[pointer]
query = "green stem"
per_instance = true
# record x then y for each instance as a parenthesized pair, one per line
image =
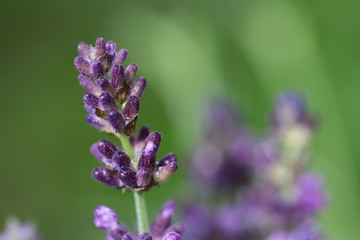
(140, 204)
(141, 213)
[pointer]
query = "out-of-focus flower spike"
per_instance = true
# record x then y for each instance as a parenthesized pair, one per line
(82, 65)
(117, 76)
(111, 48)
(100, 47)
(163, 220)
(130, 73)
(107, 148)
(106, 177)
(120, 57)
(97, 68)
(91, 100)
(105, 218)
(105, 86)
(127, 176)
(121, 158)
(138, 88)
(116, 120)
(164, 173)
(107, 102)
(171, 236)
(145, 236)
(131, 108)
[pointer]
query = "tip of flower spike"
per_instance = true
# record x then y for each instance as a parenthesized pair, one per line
(105, 218)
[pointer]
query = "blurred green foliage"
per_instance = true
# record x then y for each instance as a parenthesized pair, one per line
(247, 50)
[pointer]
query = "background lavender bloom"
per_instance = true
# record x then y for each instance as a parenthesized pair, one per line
(280, 193)
(14, 230)
(161, 229)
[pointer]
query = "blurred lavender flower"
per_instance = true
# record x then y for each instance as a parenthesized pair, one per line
(140, 173)
(112, 100)
(15, 230)
(161, 229)
(273, 196)
(224, 158)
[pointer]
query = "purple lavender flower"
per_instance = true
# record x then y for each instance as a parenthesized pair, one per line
(106, 219)
(140, 173)
(113, 98)
(15, 230)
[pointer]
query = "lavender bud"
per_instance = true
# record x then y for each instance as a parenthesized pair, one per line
(107, 148)
(117, 76)
(111, 48)
(154, 137)
(91, 100)
(168, 158)
(105, 86)
(97, 122)
(117, 232)
(120, 57)
(127, 176)
(83, 49)
(130, 73)
(100, 47)
(96, 152)
(138, 88)
(146, 164)
(145, 236)
(107, 102)
(163, 220)
(87, 84)
(121, 158)
(82, 65)
(97, 68)
(116, 120)
(105, 218)
(131, 109)
(106, 177)
(171, 236)
(164, 173)
(127, 236)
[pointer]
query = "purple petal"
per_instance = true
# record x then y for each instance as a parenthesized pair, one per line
(116, 120)
(120, 57)
(127, 176)
(117, 76)
(105, 218)
(106, 177)
(139, 87)
(131, 108)
(130, 73)
(100, 47)
(97, 68)
(82, 65)
(107, 102)
(172, 236)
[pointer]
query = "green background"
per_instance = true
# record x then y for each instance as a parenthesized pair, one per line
(248, 50)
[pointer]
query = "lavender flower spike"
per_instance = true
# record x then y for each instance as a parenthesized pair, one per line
(102, 74)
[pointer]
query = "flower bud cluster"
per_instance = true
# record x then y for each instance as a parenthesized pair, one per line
(112, 100)
(161, 229)
(140, 173)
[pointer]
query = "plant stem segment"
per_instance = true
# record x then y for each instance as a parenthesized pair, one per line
(140, 204)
